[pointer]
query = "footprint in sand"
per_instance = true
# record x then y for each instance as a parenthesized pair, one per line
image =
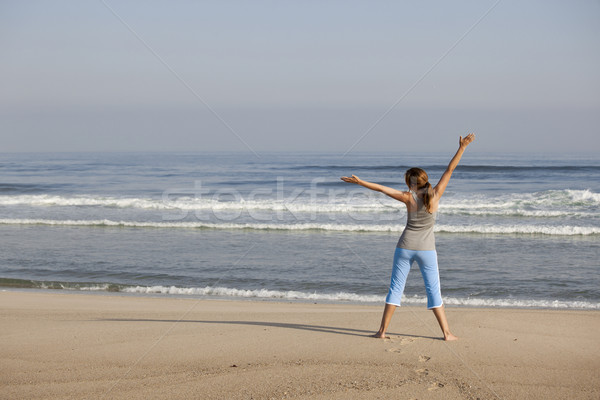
(402, 341)
(422, 371)
(435, 386)
(424, 358)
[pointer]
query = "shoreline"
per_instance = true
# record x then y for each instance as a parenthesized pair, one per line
(324, 298)
(56, 345)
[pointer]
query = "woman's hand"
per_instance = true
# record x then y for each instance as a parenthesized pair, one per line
(353, 179)
(388, 191)
(465, 142)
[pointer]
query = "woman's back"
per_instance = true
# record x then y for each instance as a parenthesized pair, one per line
(418, 233)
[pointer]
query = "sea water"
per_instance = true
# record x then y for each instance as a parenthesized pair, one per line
(519, 230)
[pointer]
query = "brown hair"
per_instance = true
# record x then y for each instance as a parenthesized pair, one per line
(418, 177)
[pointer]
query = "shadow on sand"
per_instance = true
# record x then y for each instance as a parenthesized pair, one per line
(313, 328)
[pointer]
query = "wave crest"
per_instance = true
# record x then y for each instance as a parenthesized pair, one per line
(551, 203)
(291, 295)
(481, 229)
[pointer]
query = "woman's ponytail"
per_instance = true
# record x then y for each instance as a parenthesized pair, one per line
(427, 196)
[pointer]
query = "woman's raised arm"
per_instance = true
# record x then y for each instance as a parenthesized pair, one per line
(393, 193)
(462, 145)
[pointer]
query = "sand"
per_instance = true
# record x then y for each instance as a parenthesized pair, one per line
(57, 345)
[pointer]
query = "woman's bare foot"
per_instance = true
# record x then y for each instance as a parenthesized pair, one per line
(388, 311)
(440, 315)
(380, 335)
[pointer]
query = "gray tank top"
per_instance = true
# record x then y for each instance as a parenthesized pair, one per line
(418, 233)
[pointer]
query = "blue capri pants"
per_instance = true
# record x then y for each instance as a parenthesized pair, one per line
(427, 260)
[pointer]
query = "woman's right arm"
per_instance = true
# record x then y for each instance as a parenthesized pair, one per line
(393, 193)
(463, 143)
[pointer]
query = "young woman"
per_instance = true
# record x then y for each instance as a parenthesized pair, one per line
(417, 242)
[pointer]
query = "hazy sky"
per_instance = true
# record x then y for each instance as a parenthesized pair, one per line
(306, 75)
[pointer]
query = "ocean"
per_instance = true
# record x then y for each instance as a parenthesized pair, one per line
(513, 230)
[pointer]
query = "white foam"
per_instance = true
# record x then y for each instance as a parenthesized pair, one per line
(565, 230)
(513, 212)
(551, 203)
(353, 297)
(191, 203)
(257, 293)
(586, 196)
(93, 288)
(523, 303)
(62, 201)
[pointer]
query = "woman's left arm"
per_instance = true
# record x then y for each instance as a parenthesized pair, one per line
(462, 146)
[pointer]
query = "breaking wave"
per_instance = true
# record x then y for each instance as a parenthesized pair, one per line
(292, 295)
(546, 204)
(481, 229)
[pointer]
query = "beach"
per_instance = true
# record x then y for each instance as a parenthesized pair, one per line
(222, 276)
(57, 345)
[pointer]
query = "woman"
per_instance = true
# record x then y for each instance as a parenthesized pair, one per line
(417, 242)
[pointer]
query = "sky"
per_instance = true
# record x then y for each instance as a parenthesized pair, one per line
(336, 76)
